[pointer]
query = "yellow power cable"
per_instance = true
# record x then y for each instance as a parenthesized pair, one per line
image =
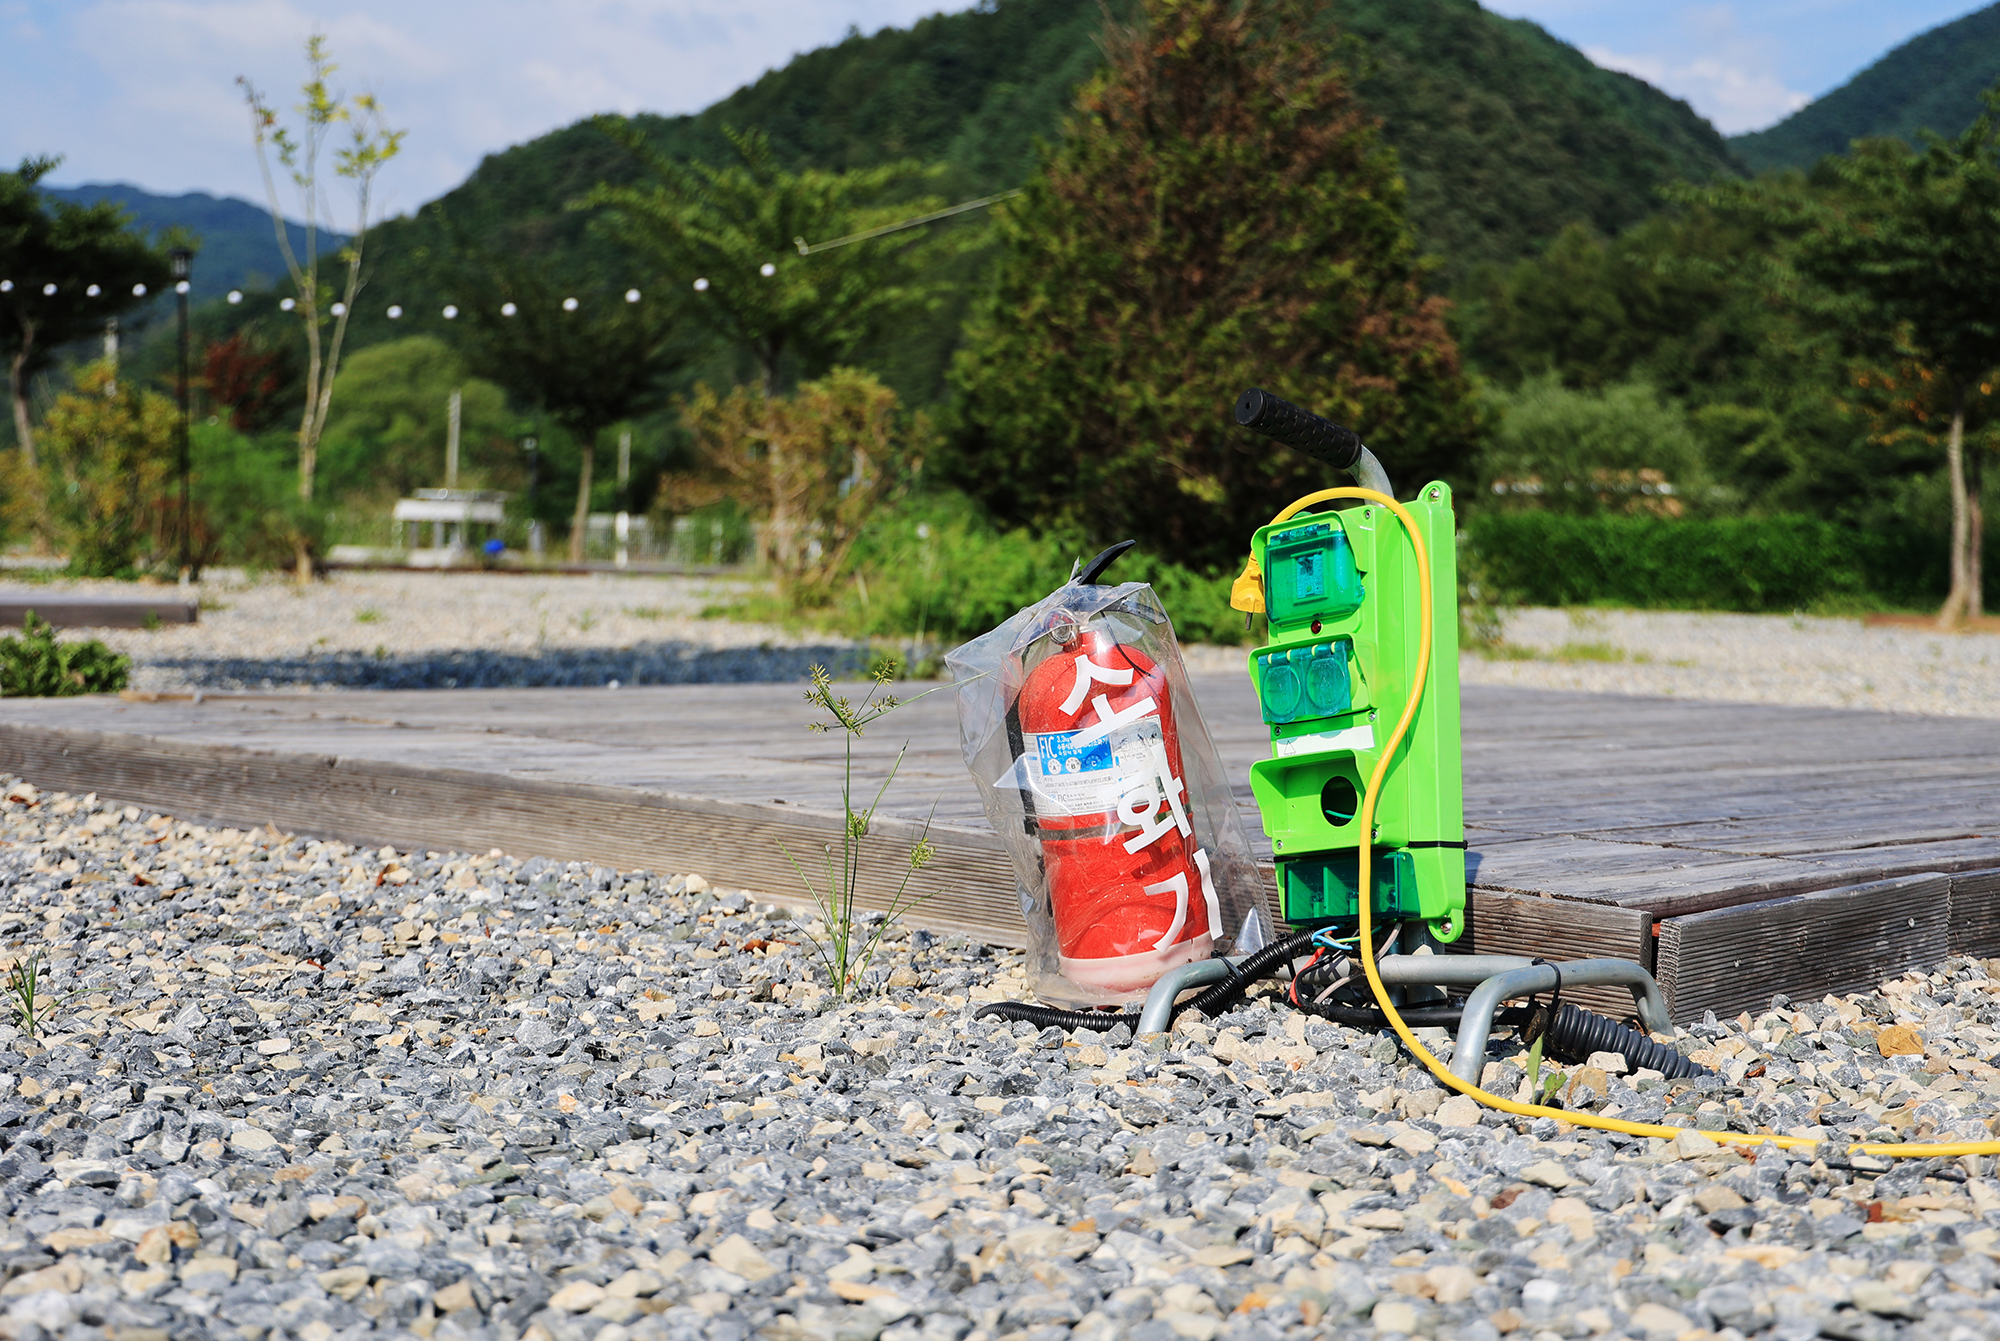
(1949, 1150)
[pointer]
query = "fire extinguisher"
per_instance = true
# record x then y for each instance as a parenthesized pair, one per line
(1129, 885)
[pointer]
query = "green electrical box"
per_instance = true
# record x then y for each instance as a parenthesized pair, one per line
(1340, 590)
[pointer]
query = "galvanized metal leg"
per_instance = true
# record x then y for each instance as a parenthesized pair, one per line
(1468, 1057)
(1158, 1012)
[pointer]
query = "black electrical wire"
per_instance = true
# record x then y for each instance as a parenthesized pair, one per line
(1212, 1000)
(1571, 1036)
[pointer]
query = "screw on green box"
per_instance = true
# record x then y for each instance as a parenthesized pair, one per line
(1342, 598)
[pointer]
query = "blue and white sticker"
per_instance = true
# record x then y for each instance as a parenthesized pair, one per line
(1085, 772)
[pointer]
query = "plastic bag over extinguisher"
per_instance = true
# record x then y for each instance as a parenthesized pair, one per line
(1080, 730)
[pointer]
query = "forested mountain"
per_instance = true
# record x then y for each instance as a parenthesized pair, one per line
(1506, 135)
(1932, 81)
(239, 249)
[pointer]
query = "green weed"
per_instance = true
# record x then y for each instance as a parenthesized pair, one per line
(850, 944)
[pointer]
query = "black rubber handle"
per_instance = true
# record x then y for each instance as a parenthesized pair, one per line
(1088, 575)
(1301, 430)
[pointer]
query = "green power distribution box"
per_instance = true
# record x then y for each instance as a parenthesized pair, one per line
(1341, 594)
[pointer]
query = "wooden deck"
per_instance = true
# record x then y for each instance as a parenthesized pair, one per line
(1597, 824)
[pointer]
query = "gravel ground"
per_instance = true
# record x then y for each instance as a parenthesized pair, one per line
(1831, 663)
(308, 1091)
(395, 630)
(374, 630)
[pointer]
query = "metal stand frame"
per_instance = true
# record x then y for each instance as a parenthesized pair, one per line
(1492, 978)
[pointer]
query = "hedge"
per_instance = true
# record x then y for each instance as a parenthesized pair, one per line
(1735, 563)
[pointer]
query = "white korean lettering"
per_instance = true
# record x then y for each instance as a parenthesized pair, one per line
(1087, 672)
(1141, 806)
(1178, 887)
(1175, 791)
(1208, 892)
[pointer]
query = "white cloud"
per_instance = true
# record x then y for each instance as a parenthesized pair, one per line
(1734, 97)
(144, 91)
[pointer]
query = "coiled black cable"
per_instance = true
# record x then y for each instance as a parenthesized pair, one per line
(1574, 1034)
(1211, 1000)
(1571, 1037)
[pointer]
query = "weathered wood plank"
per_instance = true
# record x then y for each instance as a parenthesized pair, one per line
(1975, 913)
(95, 612)
(1559, 929)
(369, 801)
(1835, 940)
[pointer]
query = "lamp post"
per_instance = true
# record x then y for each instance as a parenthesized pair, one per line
(183, 264)
(533, 449)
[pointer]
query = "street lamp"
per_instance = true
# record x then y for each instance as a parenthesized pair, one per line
(182, 260)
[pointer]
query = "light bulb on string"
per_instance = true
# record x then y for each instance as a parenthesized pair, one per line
(182, 287)
(508, 309)
(701, 286)
(339, 309)
(569, 304)
(235, 297)
(48, 290)
(92, 291)
(287, 304)
(6, 286)
(631, 295)
(395, 311)
(138, 290)
(450, 311)
(767, 270)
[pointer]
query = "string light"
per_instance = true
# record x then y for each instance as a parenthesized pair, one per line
(569, 304)
(767, 270)
(631, 295)
(48, 290)
(450, 311)
(6, 286)
(92, 291)
(394, 311)
(508, 309)
(235, 297)
(287, 304)
(339, 309)
(701, 286)
(183, 287)
(138, 290)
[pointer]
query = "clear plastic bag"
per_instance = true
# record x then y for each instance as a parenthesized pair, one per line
(1094, 766)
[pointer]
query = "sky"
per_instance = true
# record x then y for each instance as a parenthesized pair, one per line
(1744, 66)
(144, 91)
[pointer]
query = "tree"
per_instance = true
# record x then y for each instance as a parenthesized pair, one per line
(734, 233)
(110, 471)
(1905, 241)
(65, 270)
(371, 144)
(821, 463)
(1219, 214)
(586, 357)
(388, 432)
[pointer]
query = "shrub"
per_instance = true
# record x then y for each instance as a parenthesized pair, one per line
(819, 463)
(110, 459)
(1736, 563)
(940, 572)
(35, 665)
(246, 498)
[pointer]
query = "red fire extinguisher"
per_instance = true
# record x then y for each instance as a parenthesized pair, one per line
(1129, 884)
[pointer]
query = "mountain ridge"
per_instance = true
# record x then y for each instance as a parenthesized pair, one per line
(1930, 82)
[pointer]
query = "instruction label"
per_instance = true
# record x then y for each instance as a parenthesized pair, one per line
(1085, 772)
